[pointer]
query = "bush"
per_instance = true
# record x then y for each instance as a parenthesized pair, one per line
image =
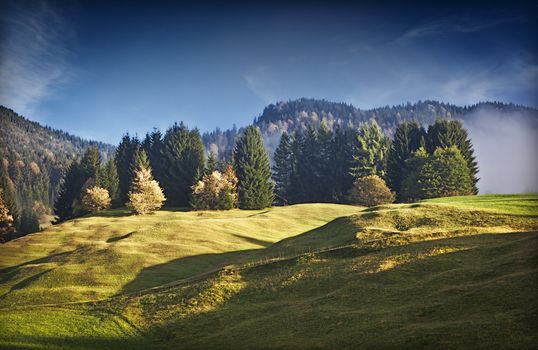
(95, 199)
(145, 196)
(216, 191)
(369, 191)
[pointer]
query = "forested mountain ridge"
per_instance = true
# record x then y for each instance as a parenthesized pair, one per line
(295, 115)
(33, 160)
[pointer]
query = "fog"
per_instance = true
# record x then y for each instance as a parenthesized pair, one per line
(506, 147)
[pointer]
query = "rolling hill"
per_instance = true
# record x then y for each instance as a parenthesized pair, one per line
(450, 273)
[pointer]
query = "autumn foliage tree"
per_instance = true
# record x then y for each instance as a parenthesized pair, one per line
(146, 196)
(216, 191)
(6, 219)
(96, 199)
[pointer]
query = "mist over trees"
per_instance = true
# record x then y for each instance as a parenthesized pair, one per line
(41, 167)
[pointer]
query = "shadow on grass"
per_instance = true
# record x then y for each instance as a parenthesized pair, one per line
(264, 309)
(119, 238)
(338, 232)
(28, 342)
(8, 273)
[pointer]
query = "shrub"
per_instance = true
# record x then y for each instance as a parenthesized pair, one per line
(369, 191)
(95, 199)
(216, 191)
(146, 196)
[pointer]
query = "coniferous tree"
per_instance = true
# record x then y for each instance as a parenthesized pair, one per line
(183, 163)
(344, 144)
(283, 168)
(371, 152)
(69, 193)
(108, 179)
(124, 156)
(211, 165)
(407, 140)
(10, 197)
(90, 164)
(447, 133)
(6, 220)
(296, 191)
(140, 160)
(29, 222)
(325, 162)
(309, 168)
(153, 145)
(446, 173)
(410, 187)
(253, 171)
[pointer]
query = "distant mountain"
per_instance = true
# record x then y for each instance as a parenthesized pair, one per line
(295, 115)
(35, 157)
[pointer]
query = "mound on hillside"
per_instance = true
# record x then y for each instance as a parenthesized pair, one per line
(435, 274)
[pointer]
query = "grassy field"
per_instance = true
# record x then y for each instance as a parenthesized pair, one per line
(449, 273)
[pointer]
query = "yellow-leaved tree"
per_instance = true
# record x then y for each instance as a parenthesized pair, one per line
(146, 196)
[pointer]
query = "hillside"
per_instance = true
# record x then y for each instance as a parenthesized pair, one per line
(35, 157)
(295, 115)
(449, 273)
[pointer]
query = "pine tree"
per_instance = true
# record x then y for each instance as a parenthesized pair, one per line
(309, 167)
(211, 165)
(153, 145)
(108, 179)
(447, 133)
(296, 191)
(410, 187)
(371, 152)
(407, 140)
(343, 148)
(140, 160)
(183, 162)
(283, 168)
(69, 193)
(446, 173)
(124, 156)
(253, 171)
(90, 164)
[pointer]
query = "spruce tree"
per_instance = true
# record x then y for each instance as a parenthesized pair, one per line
(446, 173)
(123, 158)
(309, 168)
(283, 168)
(69, 193)
(90, 164)
(407, 140)
(371, 153)
(296, 191)
(152, 144)
(183, 162)
(108, 179)
(211, 165)
(253, 171)
(447, 133)
(343, 148)
(410, 187)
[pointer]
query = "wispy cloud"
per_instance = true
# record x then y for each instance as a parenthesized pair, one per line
(33, 55)
(261, 84)
(452, 24)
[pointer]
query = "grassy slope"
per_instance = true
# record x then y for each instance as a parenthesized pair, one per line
(444, 272)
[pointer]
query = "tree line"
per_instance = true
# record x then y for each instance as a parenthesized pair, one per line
(347, 165)
(322, 166)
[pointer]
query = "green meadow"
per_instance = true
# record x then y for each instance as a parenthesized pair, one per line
(449, 273)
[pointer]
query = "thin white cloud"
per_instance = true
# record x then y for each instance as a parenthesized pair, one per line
(33, 55)
(259, 82)
(452, 24)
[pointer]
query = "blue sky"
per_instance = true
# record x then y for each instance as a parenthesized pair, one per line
(100, 68)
